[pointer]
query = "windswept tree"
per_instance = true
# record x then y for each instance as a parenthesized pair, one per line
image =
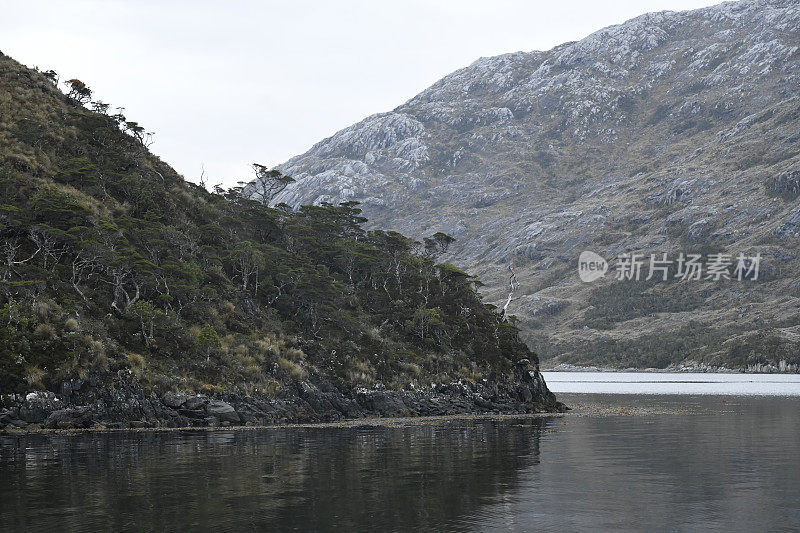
(119, 117)
(51, 75)
(268, 183)
(438, 243)
(100, 107)
(138, 132)
(78, 91)
(10, 257)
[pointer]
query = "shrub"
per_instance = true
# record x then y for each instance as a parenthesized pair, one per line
(45, 331)
(34, 376)
(136, 363)
(208, 340)
(293, 369)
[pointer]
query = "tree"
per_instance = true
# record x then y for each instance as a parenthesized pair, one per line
(208, 340)
(438, 243)
(145, 138)
(9, 250)
(145, 313)
(512, 286)
(51, 75)
(424, 321)
(100, 107)
(119, 117)
(78, 91)
(268, 183)
(48, 240)
(84, 265)
(247, 261)
(397, 249)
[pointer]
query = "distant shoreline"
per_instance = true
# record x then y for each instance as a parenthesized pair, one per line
(699, 369)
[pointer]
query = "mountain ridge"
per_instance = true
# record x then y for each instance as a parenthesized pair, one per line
(674, 131)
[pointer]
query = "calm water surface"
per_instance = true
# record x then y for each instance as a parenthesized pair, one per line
(674, 383)
(695, 462)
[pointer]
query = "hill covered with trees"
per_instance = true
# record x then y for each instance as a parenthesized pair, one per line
(119, 279)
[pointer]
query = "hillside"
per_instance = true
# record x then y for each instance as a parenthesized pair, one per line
(671, 133)
(129, 295)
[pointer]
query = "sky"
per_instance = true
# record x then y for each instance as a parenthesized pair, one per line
(227, 84)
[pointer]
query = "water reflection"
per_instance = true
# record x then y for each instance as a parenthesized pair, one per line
(726, 463)
(409, 478)
(730, 465)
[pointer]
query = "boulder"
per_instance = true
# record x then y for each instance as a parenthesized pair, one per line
(173, 399)
(222, 411)
(9, 420)
(194, 402)
(70, 418)
(383, 403)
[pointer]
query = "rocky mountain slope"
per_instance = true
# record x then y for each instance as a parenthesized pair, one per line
(671, 133)
(129, 296)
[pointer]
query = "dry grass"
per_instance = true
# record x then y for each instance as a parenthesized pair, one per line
(293, 369)
(45, 331)
(136, 363)
(33, 377)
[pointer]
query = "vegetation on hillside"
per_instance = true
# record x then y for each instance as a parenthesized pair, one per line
(109, 260)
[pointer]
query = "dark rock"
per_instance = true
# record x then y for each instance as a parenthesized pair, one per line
(37, 406)
(193, 413)
(223, 411)
(7, 420)
(482, 402)
(73, 417)
(194, 402)
(123, 403)
(382, 402)
(173, 399)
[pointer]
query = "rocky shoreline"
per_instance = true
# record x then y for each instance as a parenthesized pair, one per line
(124, 404)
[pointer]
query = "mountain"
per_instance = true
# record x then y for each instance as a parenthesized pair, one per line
(129, 296)
(671, 133)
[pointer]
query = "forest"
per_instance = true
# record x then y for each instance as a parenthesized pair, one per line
(111, 261)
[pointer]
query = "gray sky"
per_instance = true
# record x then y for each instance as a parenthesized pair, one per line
(226, 84)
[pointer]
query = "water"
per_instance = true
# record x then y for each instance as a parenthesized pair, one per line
(674, 383)
(681, 463)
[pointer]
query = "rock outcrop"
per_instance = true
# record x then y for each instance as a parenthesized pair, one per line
(124, 403)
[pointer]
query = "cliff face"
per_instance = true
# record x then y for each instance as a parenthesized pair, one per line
(670, 133)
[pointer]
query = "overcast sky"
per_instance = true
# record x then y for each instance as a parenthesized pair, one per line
(226, 84)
